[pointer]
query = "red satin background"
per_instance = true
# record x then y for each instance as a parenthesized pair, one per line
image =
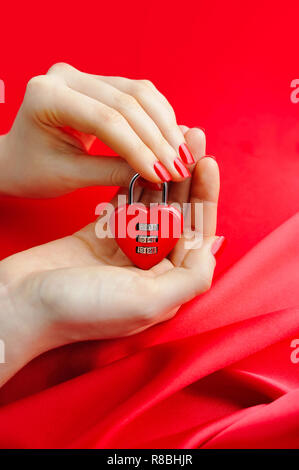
(219, 375)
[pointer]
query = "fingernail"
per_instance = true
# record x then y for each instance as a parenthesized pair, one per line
(209, 156)
(149, 185)
(180, 167)
(161, 171)
(218, 243)
(201, 128)
(186, 155)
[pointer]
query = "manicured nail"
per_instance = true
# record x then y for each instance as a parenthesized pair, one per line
(180, 167)
(218, 243)
(186, 155)
(161, 171)
(149, 185)
(209, 156)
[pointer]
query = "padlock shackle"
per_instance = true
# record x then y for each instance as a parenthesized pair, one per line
(131, 190)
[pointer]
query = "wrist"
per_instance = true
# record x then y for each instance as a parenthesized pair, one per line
(6, 170)
(11, 176)
(24, 332)
(3, 163)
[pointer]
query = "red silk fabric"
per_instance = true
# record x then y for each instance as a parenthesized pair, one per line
(220, 374)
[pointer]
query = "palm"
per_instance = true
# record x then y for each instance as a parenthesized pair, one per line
(84, 280)
(83, 249)
(107, 252)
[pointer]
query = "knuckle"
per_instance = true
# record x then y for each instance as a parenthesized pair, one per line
(111, 116)
(59, 68)
(167, 149)
(147, 84)
(141, 149)
(120, 174)
(143, 87)
(127, 101)
(115, 176)
(37, 84)
(37, 92)
(168, 118)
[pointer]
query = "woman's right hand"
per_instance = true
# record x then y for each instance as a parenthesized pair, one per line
(46, 152)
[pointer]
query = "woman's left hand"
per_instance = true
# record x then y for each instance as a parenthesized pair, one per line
(81, 287)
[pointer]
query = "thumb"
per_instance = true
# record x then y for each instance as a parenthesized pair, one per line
(183, 283)
(97, 170)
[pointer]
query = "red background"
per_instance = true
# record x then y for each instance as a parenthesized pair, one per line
(224, 66)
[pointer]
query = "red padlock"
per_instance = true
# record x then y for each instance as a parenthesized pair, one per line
(148, 237)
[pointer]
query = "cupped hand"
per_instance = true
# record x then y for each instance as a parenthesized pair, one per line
(82, 287)
(46, 152)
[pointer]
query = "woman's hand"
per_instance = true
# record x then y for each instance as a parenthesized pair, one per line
(81, 287)
(46, 152)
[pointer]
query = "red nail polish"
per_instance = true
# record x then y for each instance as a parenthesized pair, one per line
(186, 155)
(149, 185)
(161, 171)
(217, 245)
(209, 156)
(180, 167)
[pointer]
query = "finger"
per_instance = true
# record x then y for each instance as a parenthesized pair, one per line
(150, 195)
(180, 192)
(158, 108)
(131, 110)
(55, 104)
(204, 196)
(93, 170)
(196, 140)
(200, 218)
(87, 170)
(181, 284)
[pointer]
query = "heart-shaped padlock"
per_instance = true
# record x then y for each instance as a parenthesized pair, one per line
(148, 237)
